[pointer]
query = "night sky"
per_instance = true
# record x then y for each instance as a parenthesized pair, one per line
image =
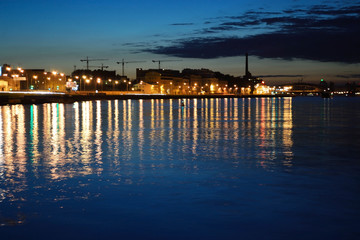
(286, 40)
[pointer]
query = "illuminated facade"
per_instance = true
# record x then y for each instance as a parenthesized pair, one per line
(189, 81)
(31, 79)
(4, 85)
(101, 80)
(164, 81)
(14, 78)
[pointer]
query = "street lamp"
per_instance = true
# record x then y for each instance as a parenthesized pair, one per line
(98, 81)
(83, 84)
(87, 81)
(111, 83)
(35, 77)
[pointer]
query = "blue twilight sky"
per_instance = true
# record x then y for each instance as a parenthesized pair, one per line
(286, 40)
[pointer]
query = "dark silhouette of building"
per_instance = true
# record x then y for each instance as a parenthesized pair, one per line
(248, 79)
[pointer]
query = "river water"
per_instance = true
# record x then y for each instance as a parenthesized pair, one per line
(259, 168)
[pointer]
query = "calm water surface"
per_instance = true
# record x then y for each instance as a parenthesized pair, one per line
(265, 168)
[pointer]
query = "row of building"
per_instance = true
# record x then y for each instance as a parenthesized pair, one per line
(193, 81)
(150, 81)
(156, 81)
(17, 79)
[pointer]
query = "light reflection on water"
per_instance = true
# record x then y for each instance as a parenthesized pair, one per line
(67, 140)
(65, 153)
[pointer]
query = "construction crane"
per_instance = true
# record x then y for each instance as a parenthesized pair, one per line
(123, 64)
(87, 60)
(160, 61)
(100, 67)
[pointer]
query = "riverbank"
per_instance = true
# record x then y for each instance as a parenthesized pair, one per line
(58, 97)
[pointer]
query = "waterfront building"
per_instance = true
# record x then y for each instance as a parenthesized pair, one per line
(14, 77)
(203, 81)
(99, 79)
(300, 88)
(146, 88)
(165, 81)
(36, 79)
(4, 85)
(54, 82)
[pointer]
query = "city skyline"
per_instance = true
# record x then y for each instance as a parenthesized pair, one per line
(286, 40)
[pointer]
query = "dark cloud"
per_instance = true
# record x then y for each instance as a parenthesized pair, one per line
(182, 24)
(326, 10)
(347, 76)
(321, 33)
(312, 45)
(245, 23)
(279, 76)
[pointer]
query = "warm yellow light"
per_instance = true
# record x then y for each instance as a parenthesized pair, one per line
(54, 73)
(8, 69)
(77, 77)
(87, 80)
(35, 76)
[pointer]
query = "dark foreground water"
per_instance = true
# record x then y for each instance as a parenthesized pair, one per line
(266, 168)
